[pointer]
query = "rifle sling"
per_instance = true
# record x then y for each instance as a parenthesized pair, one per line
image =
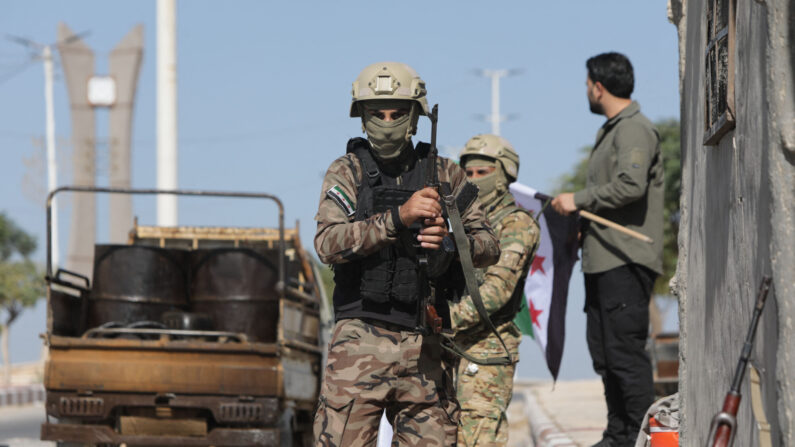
(462, 245)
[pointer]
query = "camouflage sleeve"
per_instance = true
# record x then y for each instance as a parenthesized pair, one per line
(483, 243)
(518, 241)
(338, 238)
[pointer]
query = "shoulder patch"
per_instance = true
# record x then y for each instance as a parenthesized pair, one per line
(336, 194)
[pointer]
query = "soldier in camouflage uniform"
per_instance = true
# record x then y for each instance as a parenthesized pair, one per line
(484, 392)
(375, 213)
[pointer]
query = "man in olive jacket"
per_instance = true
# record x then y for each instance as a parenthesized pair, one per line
(625, 185)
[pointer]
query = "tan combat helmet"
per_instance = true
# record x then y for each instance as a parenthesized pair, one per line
(493, 146)
(388, 80)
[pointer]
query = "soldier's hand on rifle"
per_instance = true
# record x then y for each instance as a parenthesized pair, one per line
(423, 204)
(432, 233)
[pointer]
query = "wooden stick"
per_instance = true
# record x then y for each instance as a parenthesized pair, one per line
(591, 216)
(615, 226)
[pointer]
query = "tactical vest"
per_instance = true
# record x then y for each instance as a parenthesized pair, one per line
(391, 274)
(509, 310)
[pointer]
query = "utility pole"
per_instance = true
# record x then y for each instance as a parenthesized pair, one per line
(496, 118)
(49, 116)
(166, 110)
(52, 168)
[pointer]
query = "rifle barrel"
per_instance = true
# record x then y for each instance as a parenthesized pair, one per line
(725, 423)
(434, 117)
(748, 346)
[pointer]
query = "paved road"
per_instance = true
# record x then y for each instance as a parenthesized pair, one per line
(519, 434)
(575, 409)
(20, 426)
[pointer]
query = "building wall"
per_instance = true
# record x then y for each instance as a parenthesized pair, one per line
(737, 223)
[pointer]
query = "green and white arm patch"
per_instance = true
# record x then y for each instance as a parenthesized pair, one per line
(336, 194)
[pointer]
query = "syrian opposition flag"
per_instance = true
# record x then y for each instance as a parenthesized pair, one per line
(543, 312)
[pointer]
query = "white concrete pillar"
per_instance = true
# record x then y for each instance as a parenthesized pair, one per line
(167, 110)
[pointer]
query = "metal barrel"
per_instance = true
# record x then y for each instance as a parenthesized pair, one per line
(136, 283)
(237, 287)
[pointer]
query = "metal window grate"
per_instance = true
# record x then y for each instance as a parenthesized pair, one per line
(719, 113)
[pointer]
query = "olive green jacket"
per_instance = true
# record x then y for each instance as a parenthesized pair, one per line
(625, 185)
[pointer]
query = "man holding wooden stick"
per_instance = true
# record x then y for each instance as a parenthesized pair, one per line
(624, 185)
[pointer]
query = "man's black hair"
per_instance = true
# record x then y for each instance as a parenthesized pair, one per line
(614, 71)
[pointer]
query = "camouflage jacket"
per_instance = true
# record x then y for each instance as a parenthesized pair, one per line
(339, 239)
(519, 236)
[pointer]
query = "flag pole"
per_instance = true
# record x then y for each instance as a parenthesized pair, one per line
(615, 226)
(601, 220)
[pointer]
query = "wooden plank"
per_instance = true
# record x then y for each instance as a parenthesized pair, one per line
(141, 425)
(162, 372)
(57, 341)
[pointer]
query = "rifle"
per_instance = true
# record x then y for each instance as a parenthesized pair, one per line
(428, 314)
(464, 256)
(427, 311)
(724, 424)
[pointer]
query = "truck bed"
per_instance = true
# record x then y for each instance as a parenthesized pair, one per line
(163, 366)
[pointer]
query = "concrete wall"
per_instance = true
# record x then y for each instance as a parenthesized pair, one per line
(737, 223)
(22, 395)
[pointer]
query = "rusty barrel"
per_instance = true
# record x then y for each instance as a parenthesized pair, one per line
(136, 283)
(237, 288)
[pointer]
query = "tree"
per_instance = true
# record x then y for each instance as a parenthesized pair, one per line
(670, 146)
(575, 181)
(21, 283)
(671, 153)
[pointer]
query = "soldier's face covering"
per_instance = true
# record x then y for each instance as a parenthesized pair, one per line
(388, 125)
(491, 186)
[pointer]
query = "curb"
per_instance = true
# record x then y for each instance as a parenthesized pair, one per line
(21, 395)
(545, 433)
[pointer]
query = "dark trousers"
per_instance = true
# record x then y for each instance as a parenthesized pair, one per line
(617, 308)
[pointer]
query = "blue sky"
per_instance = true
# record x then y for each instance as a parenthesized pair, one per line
(264, 91)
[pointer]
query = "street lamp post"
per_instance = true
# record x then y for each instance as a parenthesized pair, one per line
(495, 118)
(52, 167)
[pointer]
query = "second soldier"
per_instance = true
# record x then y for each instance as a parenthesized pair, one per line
(484, 391)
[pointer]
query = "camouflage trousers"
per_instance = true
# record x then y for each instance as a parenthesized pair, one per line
(371, 369)
(484, 392)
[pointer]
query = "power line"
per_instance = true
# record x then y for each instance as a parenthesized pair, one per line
(7, 76)
(37, 51)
